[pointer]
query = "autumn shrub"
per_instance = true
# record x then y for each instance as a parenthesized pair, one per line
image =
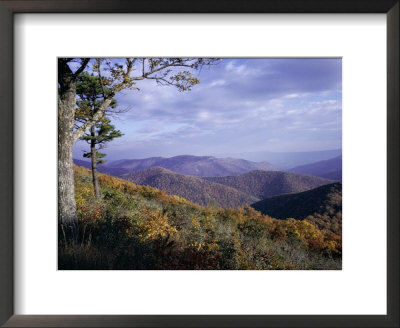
(139, 227)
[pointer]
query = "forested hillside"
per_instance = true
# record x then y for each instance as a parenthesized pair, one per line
(322, 206)
(262, 184)
(139, 227)
(195, 189)
(333, 175)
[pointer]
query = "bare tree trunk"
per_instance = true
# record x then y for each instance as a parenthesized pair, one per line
(93, 155)
(66, 189)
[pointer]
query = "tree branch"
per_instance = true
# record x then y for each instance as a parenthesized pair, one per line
(152, 71)
(127, 81)
(166, 66)
(82, 67)
(96, 117)
(158, 79)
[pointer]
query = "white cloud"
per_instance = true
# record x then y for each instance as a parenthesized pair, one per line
(292, 95)
(230, 66)
(217, 83)
(202, 116)
(296, 95)
(238, 69)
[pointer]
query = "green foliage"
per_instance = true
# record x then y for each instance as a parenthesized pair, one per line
(102, 132)
(90, 96)
(98, 155)
(139, 227)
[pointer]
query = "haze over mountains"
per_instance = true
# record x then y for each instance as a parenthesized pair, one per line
(213, 166)
(287, 160)
(330, 169)
(184, 164)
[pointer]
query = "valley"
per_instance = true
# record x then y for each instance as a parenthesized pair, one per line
(195, 189)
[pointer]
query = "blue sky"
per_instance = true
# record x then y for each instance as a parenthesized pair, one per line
(240, 106)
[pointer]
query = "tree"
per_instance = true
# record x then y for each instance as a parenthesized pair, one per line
(118, 75)
(90, 97)
(66, 118)
(100, 133)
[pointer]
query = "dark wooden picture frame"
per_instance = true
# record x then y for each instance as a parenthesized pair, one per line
(10, 7)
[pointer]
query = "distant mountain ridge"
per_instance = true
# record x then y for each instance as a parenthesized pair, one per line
(330, 168)
(183, 164)
(287, 160)
(263, 184)
(192, 188)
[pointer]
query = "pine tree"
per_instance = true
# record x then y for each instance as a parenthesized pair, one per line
(91, 97)
(100, 133)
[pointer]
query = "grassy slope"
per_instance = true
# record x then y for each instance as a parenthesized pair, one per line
(139, 227)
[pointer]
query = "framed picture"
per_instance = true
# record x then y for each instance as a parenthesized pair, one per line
(269, 80)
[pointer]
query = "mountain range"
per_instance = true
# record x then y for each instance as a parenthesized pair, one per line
(192, 188)
(225, 192)
(277, 194)
(184, 164)
(223, 182)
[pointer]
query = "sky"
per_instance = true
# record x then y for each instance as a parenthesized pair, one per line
(240, 106)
